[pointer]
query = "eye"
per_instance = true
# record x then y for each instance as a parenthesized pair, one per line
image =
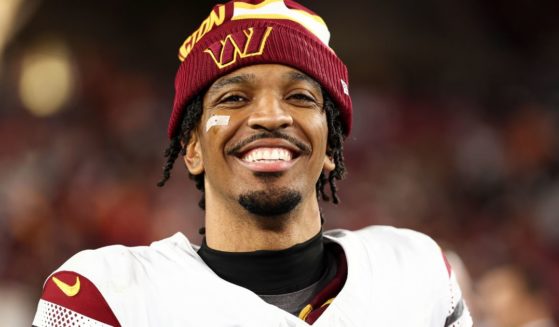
(235, 98)
(231, 100)
(302, 99)
(301, 96)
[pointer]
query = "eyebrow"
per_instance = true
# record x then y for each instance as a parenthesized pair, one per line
(298, 76)
(238, 79)
(247, 78)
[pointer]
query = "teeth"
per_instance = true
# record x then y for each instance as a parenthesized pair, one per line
(267, 154)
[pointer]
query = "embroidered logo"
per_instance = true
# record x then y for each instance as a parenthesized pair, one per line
(246, 43)
(67, 289)
(216, 18)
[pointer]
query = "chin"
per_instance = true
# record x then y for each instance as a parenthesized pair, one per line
(270, 203)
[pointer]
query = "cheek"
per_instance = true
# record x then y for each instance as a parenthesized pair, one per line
(218, 128)
(316, 129)
(217, 139)
(216, 121)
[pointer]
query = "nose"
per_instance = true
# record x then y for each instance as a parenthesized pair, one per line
(270, 114)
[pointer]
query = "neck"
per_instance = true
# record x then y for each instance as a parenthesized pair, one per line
(270, 272)
(231, 228)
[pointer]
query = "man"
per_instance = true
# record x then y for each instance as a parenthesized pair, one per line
(261, 110)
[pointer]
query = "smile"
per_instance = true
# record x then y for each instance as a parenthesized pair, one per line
(267, 155)
(268, 159)
(267, 165)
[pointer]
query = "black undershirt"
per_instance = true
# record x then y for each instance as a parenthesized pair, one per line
(267, 272)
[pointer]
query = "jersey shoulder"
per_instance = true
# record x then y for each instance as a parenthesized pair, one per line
(404, 251)
(118, 261)
(410, 263)
(397, 237)
(91, 286)
(70, 299)
(392, 242)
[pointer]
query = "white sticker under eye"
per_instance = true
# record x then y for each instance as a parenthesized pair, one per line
(217, 120)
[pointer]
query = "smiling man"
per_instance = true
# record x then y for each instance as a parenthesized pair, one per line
(261, 111)
(261, 168)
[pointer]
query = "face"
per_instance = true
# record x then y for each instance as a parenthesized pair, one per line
(262, 140)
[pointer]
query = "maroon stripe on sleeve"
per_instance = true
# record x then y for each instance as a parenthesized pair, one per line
(75, 292)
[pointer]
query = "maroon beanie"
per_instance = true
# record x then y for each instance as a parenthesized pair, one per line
(251, 32)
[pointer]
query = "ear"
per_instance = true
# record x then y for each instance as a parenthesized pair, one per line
(193, 159)
(329, 165)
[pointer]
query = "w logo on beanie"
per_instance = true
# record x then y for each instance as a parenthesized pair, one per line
(251, 32)
(246, 43)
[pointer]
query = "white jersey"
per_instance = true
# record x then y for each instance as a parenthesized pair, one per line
(395, 277)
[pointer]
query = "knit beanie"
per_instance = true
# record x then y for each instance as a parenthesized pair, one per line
(243, 33)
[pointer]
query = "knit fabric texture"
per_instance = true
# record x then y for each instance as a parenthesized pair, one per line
(242, 33)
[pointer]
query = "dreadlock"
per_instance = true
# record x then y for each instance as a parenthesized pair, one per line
(193, 113)
(335, 151)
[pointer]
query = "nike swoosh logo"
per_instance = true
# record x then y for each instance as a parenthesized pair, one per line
(67, 289)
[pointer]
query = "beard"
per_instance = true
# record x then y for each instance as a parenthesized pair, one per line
(275, 202)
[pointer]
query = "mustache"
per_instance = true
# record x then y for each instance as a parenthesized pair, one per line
(235, 148)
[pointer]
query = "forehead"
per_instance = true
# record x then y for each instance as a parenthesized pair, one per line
(263, 74)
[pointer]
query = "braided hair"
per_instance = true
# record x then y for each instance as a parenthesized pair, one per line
(193, 113)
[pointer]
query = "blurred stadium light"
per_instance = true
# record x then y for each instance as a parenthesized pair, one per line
(47, 77)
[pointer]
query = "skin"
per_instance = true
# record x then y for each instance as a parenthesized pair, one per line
(506, 300)
(260, 99)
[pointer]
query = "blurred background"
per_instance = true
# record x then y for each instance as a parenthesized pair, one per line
(456, 107)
